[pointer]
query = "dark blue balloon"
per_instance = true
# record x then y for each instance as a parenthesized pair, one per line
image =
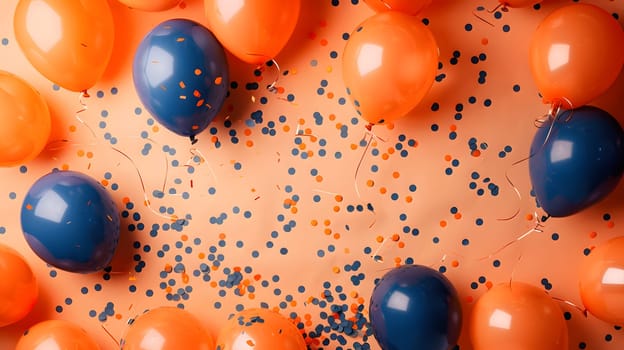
(579, 164)
(414, 307)
(181, 75)
(71, 222)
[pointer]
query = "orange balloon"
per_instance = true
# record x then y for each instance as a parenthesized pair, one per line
(57, 335)
(150, 5)
(18, 287)
(519, 3)
(25, 122)
(576, 54)
(517, 316)
(410, 7)
(389, 64)
(69, 42)
(602, 281)
(167, 328)
(260, 329)
(255, 31)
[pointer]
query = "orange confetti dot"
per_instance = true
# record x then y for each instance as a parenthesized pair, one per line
(529, 217)
(453, 127)
(370, 183)
(184, 238)
(313, 222)
(168, 268)
(29, 207)
(336, 208)
(249, 143)
(80, 153)
(593, 234)
(125, 200)
(319, 178)
(327, 222)
(338, 198)
(89, 155)
(385, 156)
(247, 132)
(301, 121)
(448, 157)
(327, 231)
(379, 239)
(196, 93)
(185, 278)
(221, 235)
(391, 150)
(294, 210)
(458, 216)
(401, 245)
(336, 235)
(65, 167)
(182, 85)
(475, 153)
(199, 103)
(610, 224)
(336, 269)
(396, 174)
(353, 146)
(484, 41)
(218, 80)
(155, 128)
(488, 284)
(408, 199)
(104, 182)
(180, 40)
(201, 255)
(330, 95)
(332, 117)
(197, 71)
(72, 128)
(323, 42)
(383, 190)
(455, 263)
(442, 223)
(395, 237)
(251, 296)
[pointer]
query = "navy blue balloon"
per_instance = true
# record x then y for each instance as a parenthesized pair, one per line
(71, 222)
(579, 164)
(181, 75)
(415, 307)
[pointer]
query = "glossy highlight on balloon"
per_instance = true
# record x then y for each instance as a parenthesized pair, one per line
(409, 7)
(181, 75)
(71, 222)
(18, 287)
(576, 160)
(25, 122)
(389, 65)
(255, 31)
(150, 5)
(520, 316)
(69, 42)
(601, 281)
(415, 307)
(56, 335)
(166, 328)
(576, 54)
(259, 329)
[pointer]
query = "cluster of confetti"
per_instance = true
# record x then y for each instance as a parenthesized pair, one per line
(288, 202)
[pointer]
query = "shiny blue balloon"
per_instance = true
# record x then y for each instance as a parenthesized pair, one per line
(71, 222)
(579, 163)
(414, 307)
(181, 75)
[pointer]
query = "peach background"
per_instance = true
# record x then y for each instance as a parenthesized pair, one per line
(253, 176)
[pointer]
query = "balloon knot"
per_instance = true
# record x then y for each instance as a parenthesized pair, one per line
(193, 139)
(369, 126)
(85, 93)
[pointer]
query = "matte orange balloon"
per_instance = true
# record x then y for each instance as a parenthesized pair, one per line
(56, 335)
(24, 121)
(150, 5)
(410, 7)
(255, 31)
(519, 3)
(260, 329)
(167, 328)
(576, 54)
(601, 281)
(18, 287)
(68, 41)
(517, 316)
(389, 65)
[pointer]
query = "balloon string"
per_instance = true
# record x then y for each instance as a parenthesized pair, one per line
(110, 335)
(569, 303)
(502, 6)
(196, 153)
(537, 228)
(539, 123)
(371, 136)
(272, 87)
(388, 6)
(482, 19)
(81, 100)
